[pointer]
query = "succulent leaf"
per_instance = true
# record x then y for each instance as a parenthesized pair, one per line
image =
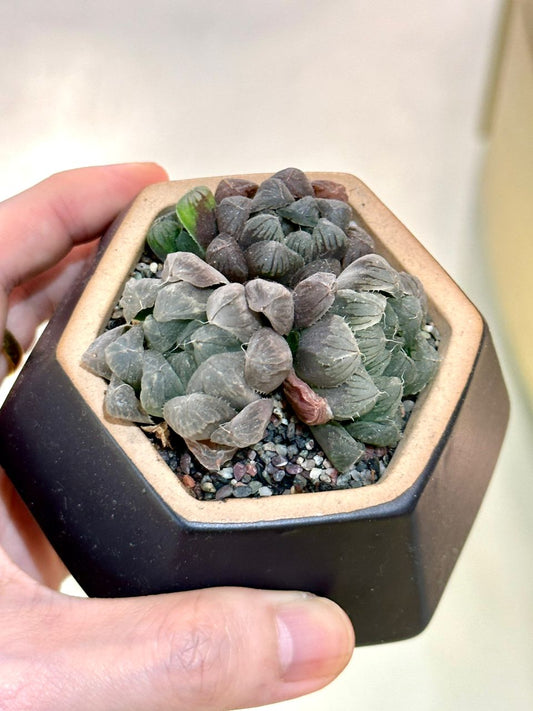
(232, 214)
(94, 358)
(196, 212)
(227, 307)
(313, 297)
(342, 450)
(296, 181)
(272, 260)
(186, 266)
(162, 336)
(184, 365)
(121, 403)
(330, 240)
(181, 300)
(371, 272)
(262, 227)
(360, 309)
(338, 212)
(303, 211)
(222, 375)
(353, 398)
(271, 194)
(226, 255)
(159, 383)
(124, 356)
(273, 300)
(196, 415)
(229, 187)
(385, 433)
(162, 237)
(210, 339)
(268, 360)
(328, 353)
(329, 189)
(247, 427)
(303, 244)
(138, 294)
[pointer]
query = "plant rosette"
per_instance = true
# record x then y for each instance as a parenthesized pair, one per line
(270, 335)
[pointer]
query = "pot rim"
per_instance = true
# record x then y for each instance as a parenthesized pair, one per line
(460, 325)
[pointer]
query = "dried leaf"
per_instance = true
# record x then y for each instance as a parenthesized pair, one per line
(308, 406)
(211, 456)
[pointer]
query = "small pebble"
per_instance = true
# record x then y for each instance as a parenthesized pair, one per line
(188, 481)
(240, 492)
(239, 470)
(224, 492)
(265, 491)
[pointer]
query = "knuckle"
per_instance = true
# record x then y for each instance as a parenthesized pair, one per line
(193, 654)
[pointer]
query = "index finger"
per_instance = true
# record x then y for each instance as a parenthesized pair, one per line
(39, 226)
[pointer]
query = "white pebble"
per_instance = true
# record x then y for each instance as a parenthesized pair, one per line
(310, 445)
(315, 473)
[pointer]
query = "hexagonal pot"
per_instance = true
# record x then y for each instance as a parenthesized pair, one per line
(124, 525)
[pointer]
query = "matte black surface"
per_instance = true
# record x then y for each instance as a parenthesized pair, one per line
(386, 566)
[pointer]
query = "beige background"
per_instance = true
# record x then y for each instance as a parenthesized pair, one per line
(392, 92)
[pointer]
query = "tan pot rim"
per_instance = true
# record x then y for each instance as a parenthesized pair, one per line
(460, 325)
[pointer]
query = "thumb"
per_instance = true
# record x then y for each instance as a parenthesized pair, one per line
(222, 648)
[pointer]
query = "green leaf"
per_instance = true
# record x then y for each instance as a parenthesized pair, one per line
(342, 450)
(196, 212)
(163, 235)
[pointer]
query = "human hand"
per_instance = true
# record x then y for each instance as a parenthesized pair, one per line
(221, 648)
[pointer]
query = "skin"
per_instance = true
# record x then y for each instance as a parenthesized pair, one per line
(222, 648)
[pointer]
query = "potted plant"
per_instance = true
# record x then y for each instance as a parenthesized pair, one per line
(109, 500)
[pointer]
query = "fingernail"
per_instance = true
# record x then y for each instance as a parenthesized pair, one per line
(315, 638)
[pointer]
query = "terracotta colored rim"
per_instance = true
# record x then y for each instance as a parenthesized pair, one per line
(460, 325)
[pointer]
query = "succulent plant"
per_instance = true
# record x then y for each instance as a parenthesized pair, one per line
(267, 291)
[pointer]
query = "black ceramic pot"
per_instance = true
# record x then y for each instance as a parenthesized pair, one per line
(124, 525)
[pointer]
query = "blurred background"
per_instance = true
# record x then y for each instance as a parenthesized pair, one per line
(430, 104)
